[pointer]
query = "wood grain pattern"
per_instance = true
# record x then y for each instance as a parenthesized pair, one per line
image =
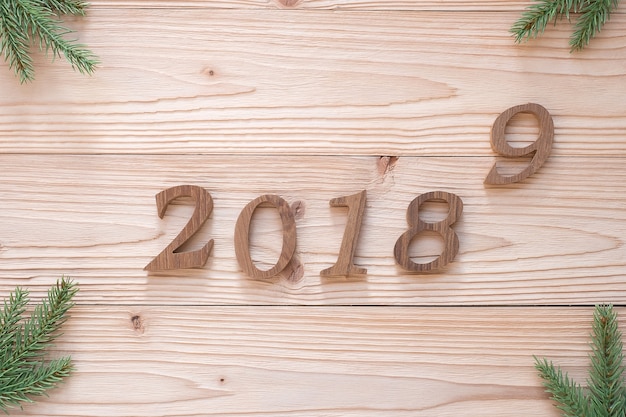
(398, 5)
(312, 100)
(333, 361)
(315, 82)
(557, 237)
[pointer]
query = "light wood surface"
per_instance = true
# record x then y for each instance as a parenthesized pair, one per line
(314, 82)
(395, 5)
(333, 361)
(314, 100)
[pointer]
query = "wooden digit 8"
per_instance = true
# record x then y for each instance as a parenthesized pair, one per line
(416, 225)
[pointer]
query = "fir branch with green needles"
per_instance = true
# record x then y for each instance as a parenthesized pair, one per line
(27, 22)
(24, 372)
(593, 15)
(605, 394)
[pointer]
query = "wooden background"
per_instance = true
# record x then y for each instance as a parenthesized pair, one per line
(311, 100)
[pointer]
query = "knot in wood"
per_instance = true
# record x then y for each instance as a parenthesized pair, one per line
(137, 323)
(386, 164)
(288, 3)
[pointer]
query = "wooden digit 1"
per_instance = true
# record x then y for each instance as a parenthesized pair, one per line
(416, 225)
(356, 208)
(242, 236)
(169, 258)
(541, 147)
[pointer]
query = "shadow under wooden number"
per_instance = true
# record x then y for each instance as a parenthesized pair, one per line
(242, 236)
(541, 147)
(417, 225)
(356, 208)
(169, 258)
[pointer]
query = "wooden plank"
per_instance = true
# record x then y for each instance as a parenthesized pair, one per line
(342, 361)
(402, 5)
(396, 5)
(556, 238)
(313, 82)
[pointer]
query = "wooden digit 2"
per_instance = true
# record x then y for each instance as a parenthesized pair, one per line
(242, 236)
(541, 147)
(169, 258)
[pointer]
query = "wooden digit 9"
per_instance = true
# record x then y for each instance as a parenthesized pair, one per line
(242, 236)
(541, 147)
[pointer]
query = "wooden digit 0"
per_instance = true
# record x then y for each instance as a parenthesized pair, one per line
(242, 236)
(356, 208)
(417, 225)
(541, 147)
(169, 258)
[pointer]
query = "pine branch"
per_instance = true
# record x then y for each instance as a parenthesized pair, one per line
(536, 17)
(41, 23)
(47, 318)
(606, 383)
(594, 16)
(23, 22)
(73, 7)
(14, 43)
(568, 395)
(606, 393)
(594, 13)
(23, 371)
(12, 312)
(33, 381)
(10, 318)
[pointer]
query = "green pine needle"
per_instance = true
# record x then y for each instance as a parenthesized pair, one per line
(593, 15)
(606, 383)
(568, 395)
(605, 395)
(74, 7)
(24, 22)
(23, 370)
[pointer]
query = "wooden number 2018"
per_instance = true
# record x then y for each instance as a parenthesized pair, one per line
(170, 259)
